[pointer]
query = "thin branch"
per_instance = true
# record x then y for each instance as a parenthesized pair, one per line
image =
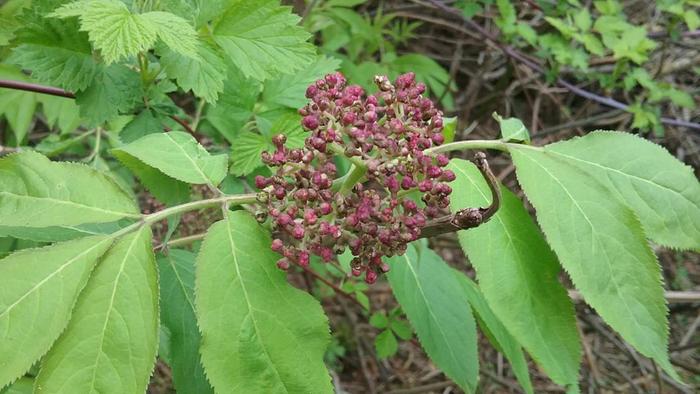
(54, 91)
(32, 87)
(469, 217)
(333, 286)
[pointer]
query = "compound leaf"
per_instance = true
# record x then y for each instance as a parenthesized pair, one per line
(112, 28)
(178, 155)
(437, 308)
(263, 39)
(204, 75)
(517, 273)
(259, 334)
(175, 32)
(39, 289)
(178, 315)
(35, 192)
(111, 341)
(663, 192)
(601, 244)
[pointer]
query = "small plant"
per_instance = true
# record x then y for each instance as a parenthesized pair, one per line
(345, 189)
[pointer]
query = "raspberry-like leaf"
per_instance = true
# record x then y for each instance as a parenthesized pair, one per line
(36, 299)
(435, 304)
(600, 242)
(175, 32)
(111, 341)
(259, 333)
(112, 28)
(263, 39)
(35, 192)
(204, 75)
(115, 89)
(517, 274)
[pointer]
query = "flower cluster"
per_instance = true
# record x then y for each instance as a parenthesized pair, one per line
(369, 210)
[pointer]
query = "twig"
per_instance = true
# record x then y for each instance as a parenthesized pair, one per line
(54, 91)
(469, 217)
(333, 286)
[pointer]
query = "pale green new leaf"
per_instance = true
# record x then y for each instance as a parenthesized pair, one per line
(178, 155)
(512, 129)
(204, 75)
(386, 345)
(601, 244)
(289, 90)
(35, 192)
(112, 28)
(438, 310)
(111, 341)
(175, 32)
(517, 273)
(263, 39)
(495, 330)
(39, 289)
(259, 333)
(178, 315)
(663, 192)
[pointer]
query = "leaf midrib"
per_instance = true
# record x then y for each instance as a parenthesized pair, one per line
(232, 244)
(430, 311)
(194, 164)
(110, 308)
(71, 203)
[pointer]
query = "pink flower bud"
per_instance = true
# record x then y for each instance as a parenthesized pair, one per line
(283, 264)
(448, 176)
(277, 245)
(310, 122)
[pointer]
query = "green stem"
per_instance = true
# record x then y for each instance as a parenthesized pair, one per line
(470, 144)
(354, 176)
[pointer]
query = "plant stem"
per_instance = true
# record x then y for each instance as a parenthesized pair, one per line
(470, 144)
(354, 176)
(237, 199)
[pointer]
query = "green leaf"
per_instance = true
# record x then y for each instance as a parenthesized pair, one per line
(203, 75)
(15, 105)
(259, 333)
(379, 320)
(111, 341)
(691, 19)
(663, 192)
(53, 65)
(22, 386)
(60, 112)
(35, 192)
(115, 89)
(112, 28)
(402, 329)
(386, 344)
(178, 155)
(141, 125)
(168, 190)
(517, 274)
(593, 44)
(512, 129)
(62, 233)
(289, 90)
(39, 291)
(235, 106)
(245, 153)
(263, 39)
(602, 246)
(582, 19)
(496, 332)
(178, 315)
(434, 302)
(175, 32)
